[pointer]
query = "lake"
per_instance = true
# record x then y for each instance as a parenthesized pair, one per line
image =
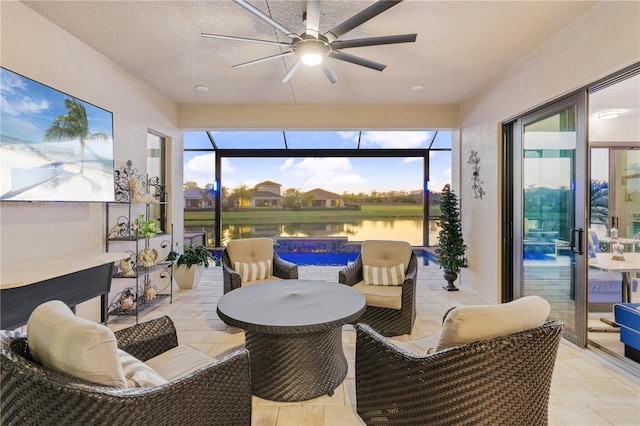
(409, 230)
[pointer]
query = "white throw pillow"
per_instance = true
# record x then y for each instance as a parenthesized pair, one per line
(470, 324)
(137, 373)
(379, 275)
(253, 271)
(63, 342)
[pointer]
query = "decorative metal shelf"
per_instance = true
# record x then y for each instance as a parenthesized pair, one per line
(134, 238)
(142, 270)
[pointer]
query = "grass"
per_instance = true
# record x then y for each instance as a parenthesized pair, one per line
(380, 212)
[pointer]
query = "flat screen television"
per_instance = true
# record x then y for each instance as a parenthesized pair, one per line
(53, 146)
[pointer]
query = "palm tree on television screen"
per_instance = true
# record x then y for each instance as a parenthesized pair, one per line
(73, 125)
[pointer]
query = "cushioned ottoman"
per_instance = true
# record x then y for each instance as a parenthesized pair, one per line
(627, 315)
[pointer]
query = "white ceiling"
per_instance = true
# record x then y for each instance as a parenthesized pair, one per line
(461, 47)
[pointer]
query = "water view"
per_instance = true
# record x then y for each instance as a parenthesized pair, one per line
(360, 230)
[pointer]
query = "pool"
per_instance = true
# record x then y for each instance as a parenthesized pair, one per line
(329, 251)
(425, 258)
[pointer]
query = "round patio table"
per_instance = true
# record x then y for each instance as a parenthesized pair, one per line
(293, 331)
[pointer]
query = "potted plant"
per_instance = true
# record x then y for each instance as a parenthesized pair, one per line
(190, 265)
(145, 228)
(451, 251)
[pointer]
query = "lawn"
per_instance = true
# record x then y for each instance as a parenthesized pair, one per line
(380, 212)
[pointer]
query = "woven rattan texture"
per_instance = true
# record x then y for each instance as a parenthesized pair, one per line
(219, 394)
(296, 367)
(502, 381)
(148, 339)
(388, 322)
(231, 279)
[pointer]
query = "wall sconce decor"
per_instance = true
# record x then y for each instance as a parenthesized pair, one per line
(478, 192)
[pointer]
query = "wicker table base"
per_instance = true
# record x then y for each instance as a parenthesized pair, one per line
(296, 367)
(293, 331)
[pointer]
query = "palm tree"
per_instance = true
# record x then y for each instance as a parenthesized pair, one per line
(599, 201)
(244, 195)
(73, 125)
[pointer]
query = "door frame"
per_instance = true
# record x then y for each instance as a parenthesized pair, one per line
(512, 270)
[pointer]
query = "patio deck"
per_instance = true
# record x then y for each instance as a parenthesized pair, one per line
(586, 389)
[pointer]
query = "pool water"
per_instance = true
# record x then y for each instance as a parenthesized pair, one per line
(336, 259)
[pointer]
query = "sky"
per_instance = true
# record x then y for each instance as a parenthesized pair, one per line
(28, 108)
(338, 175)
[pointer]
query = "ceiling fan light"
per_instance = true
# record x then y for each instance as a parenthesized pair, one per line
(311, 58)
(608, 115)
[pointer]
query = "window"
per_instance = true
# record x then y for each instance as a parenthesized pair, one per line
(354, 184)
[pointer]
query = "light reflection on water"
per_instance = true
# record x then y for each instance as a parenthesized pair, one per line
(399, 229)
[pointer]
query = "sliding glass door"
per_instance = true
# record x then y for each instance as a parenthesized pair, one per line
(549, 231)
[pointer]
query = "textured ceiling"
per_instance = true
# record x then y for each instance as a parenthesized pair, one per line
(461, 46)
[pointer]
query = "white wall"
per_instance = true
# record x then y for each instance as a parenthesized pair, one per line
(605, 39)
(35, 48)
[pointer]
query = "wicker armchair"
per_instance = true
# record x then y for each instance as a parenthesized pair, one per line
(218, 394)
(501, 381)
(387, 321)
(282, 269)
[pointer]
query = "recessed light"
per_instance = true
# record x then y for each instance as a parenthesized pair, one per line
(201, 89)
(417, 88)
(608, 115)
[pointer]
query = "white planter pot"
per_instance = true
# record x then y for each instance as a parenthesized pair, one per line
(187, 278)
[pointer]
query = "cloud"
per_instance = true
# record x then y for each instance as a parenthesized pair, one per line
(288, 163)
(331, 174)
(399, 139)
(350, 136)
(412, 159)
(14, 102)
(200, 169)
(227, 167)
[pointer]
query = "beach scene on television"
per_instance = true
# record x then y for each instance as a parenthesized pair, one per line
(53, 146)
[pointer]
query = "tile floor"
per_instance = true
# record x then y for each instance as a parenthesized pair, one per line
(586, 388)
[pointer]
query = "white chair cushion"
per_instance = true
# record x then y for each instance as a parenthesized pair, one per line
(250, 250)
(470, 324)
(137, 373)
(179, 361)
(266, 280)
(421, 346)
(381, 275)
(63, 342)
(386, 254)
(385, 262)
(253, 271)
(381, 296)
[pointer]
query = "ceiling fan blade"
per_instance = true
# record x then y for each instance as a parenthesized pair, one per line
(268, 58)
(333, 78)
(373, 41)
(292, 71)
(252, 40)
(362, 17)
(357, 60)
(260, 14)
(313, 18)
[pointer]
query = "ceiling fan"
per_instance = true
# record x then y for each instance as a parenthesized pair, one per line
(311, 47)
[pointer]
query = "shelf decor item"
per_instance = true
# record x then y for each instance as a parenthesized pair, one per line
(131, 186)
(190, 265)
(148, 257)
(128, 267)
(138, 193)
(451, 251)
(145, 228)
